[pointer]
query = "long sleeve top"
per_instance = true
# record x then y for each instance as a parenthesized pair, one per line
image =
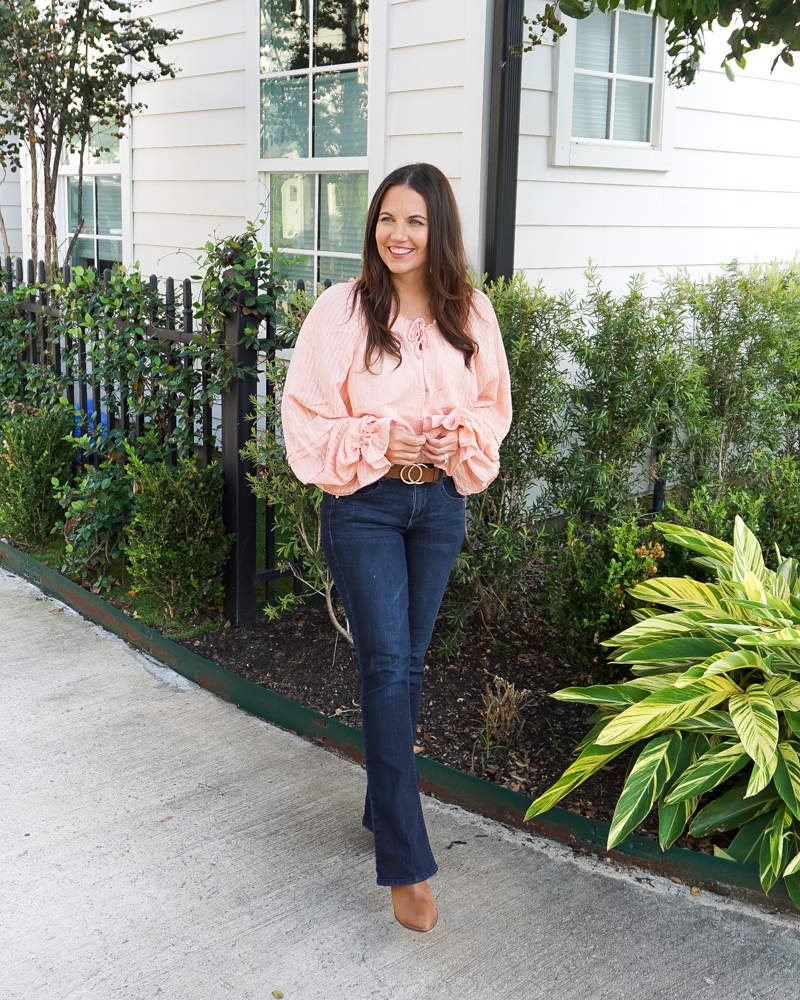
(337, 415)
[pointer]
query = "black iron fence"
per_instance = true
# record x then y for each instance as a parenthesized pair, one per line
(110, 406)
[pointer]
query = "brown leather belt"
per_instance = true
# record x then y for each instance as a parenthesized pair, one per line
(412, 475)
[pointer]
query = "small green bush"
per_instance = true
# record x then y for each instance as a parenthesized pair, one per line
(96, 511)
(33, 451)
(586, 591)
(176, 542)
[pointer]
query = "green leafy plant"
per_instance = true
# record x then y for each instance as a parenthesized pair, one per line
(96, 511)
(297, 506)
(33, 451)
(713, 694)
(176, 542)
(586, 589)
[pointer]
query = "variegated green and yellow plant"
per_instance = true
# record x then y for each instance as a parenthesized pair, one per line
(714, 693)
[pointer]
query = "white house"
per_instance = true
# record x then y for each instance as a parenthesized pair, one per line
(292, 111)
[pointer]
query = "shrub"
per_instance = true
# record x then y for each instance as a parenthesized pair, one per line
(176, 542)
(713, 695)
(586, 590)
(96, 511)
(499, 554)
(34, 452)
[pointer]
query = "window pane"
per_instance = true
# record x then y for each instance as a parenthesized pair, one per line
(109, 253)
(102, 137)
(340, 113)
(292, 210)
(593, 42)
(342, 211)
(590, 106)
(284, 117)
(338, 269)
(87, 206)
(340, 31)
(635, 44)
(302, 270)
(284, 35)
(632, 111)
(83, 254)
(109, 205)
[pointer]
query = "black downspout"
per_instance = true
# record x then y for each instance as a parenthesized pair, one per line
(501, 199)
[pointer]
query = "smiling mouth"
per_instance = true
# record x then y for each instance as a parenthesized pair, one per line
(400, 251)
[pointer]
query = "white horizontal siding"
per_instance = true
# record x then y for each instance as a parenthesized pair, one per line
(188, 145)
(733, 189)
(10, 195)
(436, 98)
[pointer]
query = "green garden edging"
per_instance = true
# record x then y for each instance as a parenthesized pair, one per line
(715, 874)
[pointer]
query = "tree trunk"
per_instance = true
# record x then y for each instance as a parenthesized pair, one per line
(34, 202)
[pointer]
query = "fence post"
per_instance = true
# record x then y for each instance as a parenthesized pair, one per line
(239, 506)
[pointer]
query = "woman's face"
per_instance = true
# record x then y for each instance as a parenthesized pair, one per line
(402, 231)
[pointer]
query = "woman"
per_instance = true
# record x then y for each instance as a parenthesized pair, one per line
(396, 401)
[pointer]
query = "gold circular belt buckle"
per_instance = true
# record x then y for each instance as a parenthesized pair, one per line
(408, 470)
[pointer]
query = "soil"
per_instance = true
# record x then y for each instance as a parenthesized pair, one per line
(300, 657)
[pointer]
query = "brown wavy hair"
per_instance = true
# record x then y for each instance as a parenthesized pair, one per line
(450, 292)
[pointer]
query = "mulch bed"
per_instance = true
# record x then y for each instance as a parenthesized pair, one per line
(300, 657)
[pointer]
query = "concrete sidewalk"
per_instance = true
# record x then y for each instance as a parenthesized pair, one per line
(157, 841)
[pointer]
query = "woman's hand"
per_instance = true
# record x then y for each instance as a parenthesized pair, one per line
(404, 447)
(440, 447)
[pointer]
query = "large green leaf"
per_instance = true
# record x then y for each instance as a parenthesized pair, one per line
(607, 695)
(773, 846)
(787, 775)
(756, 721)
(721, 663)
(747, 555)
(746, 845)
(656, 682)
(664, 709)
(715, 766)
(698, 541)
(785, 693)
(680, 648)
(682, 593)
(591, 760)
(654, 629)
(793, 718)
(733, 810)
(760, 777)
(788, 637)
(672, 820)
(643, 785)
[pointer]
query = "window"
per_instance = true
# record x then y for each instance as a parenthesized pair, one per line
(100, 242)
(313, 78)
(319, 220)
(613, 90)
(612, 108)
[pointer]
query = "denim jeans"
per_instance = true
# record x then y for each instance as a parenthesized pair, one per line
(390, 548)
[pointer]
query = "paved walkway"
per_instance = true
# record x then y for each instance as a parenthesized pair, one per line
(155, 841)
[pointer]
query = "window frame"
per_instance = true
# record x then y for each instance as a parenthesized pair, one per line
(569, 151)
(314, 164)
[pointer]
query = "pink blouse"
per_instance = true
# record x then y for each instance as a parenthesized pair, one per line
(336, 415)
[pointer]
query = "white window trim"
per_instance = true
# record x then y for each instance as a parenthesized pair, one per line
(98, 170)
(567, 151)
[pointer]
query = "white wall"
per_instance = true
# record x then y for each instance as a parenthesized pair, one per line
(436, 53)
(12, 213)
(733, 189)
(188, 147)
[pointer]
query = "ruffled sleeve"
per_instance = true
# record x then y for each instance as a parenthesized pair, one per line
(482, 427)
(324, 444)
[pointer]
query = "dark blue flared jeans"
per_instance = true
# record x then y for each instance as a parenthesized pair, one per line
(390, 548)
